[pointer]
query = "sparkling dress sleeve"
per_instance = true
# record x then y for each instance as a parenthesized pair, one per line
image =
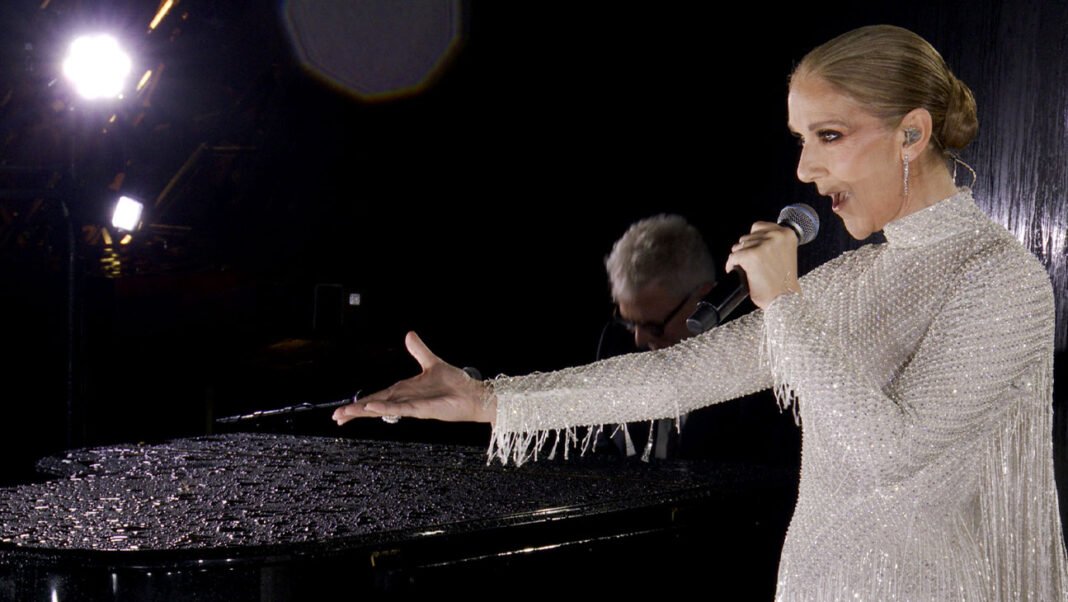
(543, 409)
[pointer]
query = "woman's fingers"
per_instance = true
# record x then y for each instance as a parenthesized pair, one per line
(768, 255)
(422, 408)
(418, 349)
(440, 391)
(411, 388)
(351, 411)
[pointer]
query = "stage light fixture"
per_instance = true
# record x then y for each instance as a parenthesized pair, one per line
(127, 214)
(97, 66)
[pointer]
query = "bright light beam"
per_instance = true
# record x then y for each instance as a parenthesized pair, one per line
(164, 8)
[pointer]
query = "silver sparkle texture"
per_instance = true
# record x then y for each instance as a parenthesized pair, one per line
(920, 370)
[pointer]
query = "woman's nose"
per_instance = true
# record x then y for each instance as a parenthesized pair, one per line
(807, 165)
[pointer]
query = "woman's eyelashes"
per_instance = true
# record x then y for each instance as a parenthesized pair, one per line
(824, 136)
(828, 136)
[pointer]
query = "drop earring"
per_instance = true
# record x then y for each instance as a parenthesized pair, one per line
(906, 178)
(911, 136)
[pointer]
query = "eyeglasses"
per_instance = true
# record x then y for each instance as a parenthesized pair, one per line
(656, 329)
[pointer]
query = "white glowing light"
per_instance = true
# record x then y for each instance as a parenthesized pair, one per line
(97, 66)
(127, 213)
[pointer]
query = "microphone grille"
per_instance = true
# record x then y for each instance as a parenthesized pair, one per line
(803, 219)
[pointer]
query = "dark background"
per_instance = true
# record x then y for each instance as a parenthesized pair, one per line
(477, 211)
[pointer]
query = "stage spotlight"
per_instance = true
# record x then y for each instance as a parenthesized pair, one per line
(127, 214)
(97, 66)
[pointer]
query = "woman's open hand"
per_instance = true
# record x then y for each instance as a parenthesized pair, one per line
(440, 392)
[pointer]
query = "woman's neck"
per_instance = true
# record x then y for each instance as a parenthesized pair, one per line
(928, 184)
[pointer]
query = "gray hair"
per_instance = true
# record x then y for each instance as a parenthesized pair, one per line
(663, 249)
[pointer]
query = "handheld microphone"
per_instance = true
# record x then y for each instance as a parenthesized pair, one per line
(805, 223)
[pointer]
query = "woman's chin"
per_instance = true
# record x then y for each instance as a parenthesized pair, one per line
(857, 231)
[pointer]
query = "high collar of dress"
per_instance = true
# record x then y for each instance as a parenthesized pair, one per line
(944, 219)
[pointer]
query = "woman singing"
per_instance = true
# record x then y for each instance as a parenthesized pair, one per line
(920, 368)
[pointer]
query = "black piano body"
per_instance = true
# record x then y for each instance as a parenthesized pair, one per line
(256, 517)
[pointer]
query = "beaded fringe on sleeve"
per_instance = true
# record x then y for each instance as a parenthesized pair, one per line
(556, 412)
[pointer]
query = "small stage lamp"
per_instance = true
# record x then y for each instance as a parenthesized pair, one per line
(127, 214)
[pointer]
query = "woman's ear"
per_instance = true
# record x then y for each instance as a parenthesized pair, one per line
(915, 132)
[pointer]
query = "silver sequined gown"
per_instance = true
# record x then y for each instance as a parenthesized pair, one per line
(922, 372)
